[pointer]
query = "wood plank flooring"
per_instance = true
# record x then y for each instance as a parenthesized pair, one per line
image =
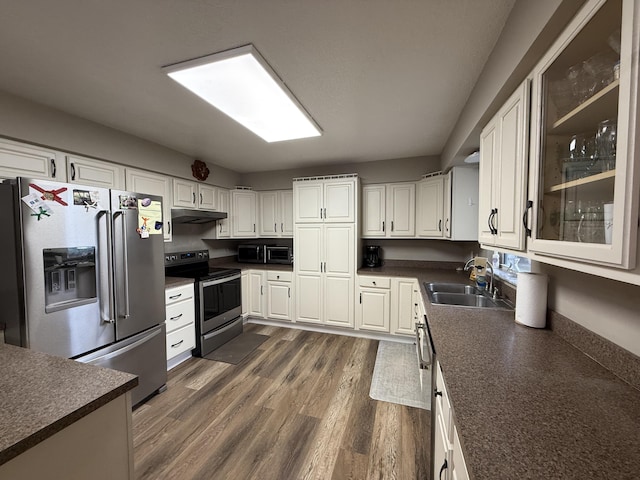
(297, 408)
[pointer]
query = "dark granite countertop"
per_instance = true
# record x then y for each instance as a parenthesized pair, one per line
(527, 404)
(42, 394)
(170, 282)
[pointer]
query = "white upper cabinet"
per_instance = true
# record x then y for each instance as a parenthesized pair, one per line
(244, 222)
(429, 208)
(223, 226)
(461, 190)
(87, 171)
(503, 173)
(584, 149)
(388, 210)
(188, 194)
(276, 213)
(22, 160)
(141, 181)
(326, 199)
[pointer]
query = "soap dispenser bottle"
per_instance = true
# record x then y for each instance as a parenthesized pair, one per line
(481, 279)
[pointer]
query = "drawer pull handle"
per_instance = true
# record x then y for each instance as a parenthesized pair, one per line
(177, 344)
(176, 317)
(173, 297)
(437, 393)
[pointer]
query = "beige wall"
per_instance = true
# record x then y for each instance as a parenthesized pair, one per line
(30, 122)
(529, 31)
(426, 250)
(383, 171)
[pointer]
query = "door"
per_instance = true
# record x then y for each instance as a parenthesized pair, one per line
(429, 208)
(308, 198)
(486, 199)
(338, 266)
(87, 171)
(373, 210)
(286, 213)
(153, 184)
(269, 214)
(207, 197)
(339, 202)
(279, 300)
(448, 186)
(373, 309)
(22, 160)
(138, 261)
(308, 267)
(66, 267)
(256, 293)
(403, 306)
(224, 202)
(184, 193)
(243, 213)
(401, 209)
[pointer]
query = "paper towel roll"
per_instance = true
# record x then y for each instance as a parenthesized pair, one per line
(531, 300)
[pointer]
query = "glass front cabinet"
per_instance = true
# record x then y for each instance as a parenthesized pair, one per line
(585, 140)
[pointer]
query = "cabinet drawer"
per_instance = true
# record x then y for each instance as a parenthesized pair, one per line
(279, 276)
(179, 314)
(177, 294)
(181, 340)
(374, 282)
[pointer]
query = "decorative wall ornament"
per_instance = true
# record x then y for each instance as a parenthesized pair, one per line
(200, 170)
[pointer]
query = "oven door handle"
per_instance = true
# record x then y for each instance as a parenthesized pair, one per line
(424, 364)
(218, 281)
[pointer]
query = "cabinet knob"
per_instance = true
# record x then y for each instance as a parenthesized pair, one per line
(374, 283)
(436, 393)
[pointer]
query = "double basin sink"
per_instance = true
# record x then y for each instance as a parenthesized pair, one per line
(462, 295)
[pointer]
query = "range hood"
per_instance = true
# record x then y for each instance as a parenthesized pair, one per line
(184, 215)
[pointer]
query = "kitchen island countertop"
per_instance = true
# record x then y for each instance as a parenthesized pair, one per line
(527, 404)
(42, 394)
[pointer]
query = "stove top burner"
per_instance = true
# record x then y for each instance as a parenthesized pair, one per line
(194, 264)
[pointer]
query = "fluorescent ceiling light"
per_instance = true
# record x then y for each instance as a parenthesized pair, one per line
(241, 84)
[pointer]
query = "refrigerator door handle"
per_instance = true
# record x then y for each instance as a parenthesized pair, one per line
(125, 271)
(109, 318)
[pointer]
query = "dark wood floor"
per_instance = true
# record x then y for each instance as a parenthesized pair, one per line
(297, 408)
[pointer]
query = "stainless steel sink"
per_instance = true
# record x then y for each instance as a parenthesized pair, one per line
(452, 288)
(461, 295)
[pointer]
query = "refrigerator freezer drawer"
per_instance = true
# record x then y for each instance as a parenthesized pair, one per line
(143, 354)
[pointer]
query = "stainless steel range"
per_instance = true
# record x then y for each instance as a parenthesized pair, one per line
(218, 298)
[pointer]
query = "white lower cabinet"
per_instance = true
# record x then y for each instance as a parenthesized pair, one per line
(180, 322)
(257, 297)
(279, 295)
(459, 467)
(244, 292)
(373, 307)
(404, 305)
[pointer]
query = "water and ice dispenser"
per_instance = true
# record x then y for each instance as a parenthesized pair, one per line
(69, 277)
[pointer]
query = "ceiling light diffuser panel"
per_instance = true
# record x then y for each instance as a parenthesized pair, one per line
(240, 83)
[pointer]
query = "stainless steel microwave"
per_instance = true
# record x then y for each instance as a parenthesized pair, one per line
(279, 254)
(252, 253)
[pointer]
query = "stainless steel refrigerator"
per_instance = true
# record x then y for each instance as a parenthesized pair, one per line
(84, 276)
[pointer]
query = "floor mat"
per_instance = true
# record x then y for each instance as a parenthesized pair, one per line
(397, 379)
(235, 350)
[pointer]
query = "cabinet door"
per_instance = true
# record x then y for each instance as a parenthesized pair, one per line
(488, 166)
(308, 268)
(244, 292)
(308, 201)
(429, 208)
(141, 181)
(464, 203)
(459, 467)
(223, 229)
(373, 309)
(279, 300)
(510, 181)
(373, 210)
(86, 171)
(243, 214)
(339, 272)
(339, 250)
(184, 193)
(207, 197)
(308, 295)
(339, 300)
(269, 214)
(22, 160)
(339, 202)
(441, 451)
(286, 213)
(447, 186)
(401, 209)
(256, 293)
(403, 310)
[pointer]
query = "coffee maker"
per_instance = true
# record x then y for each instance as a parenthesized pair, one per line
(371, 256)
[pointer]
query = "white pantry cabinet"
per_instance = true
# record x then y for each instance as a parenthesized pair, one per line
(584, 151)
(429, 208)
(325, 199)
(503, 174)
(23, 160)
(388, 210)
(373, 308)
(324, 272)
(88, 171)
(276, 213)
(154, 184)
(188, 194)
(243, 213)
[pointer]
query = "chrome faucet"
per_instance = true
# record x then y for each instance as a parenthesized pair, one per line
(467, 267)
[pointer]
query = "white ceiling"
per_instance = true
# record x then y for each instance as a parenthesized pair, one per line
(383, 78)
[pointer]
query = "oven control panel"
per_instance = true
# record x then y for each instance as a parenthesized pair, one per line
(180, 258)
